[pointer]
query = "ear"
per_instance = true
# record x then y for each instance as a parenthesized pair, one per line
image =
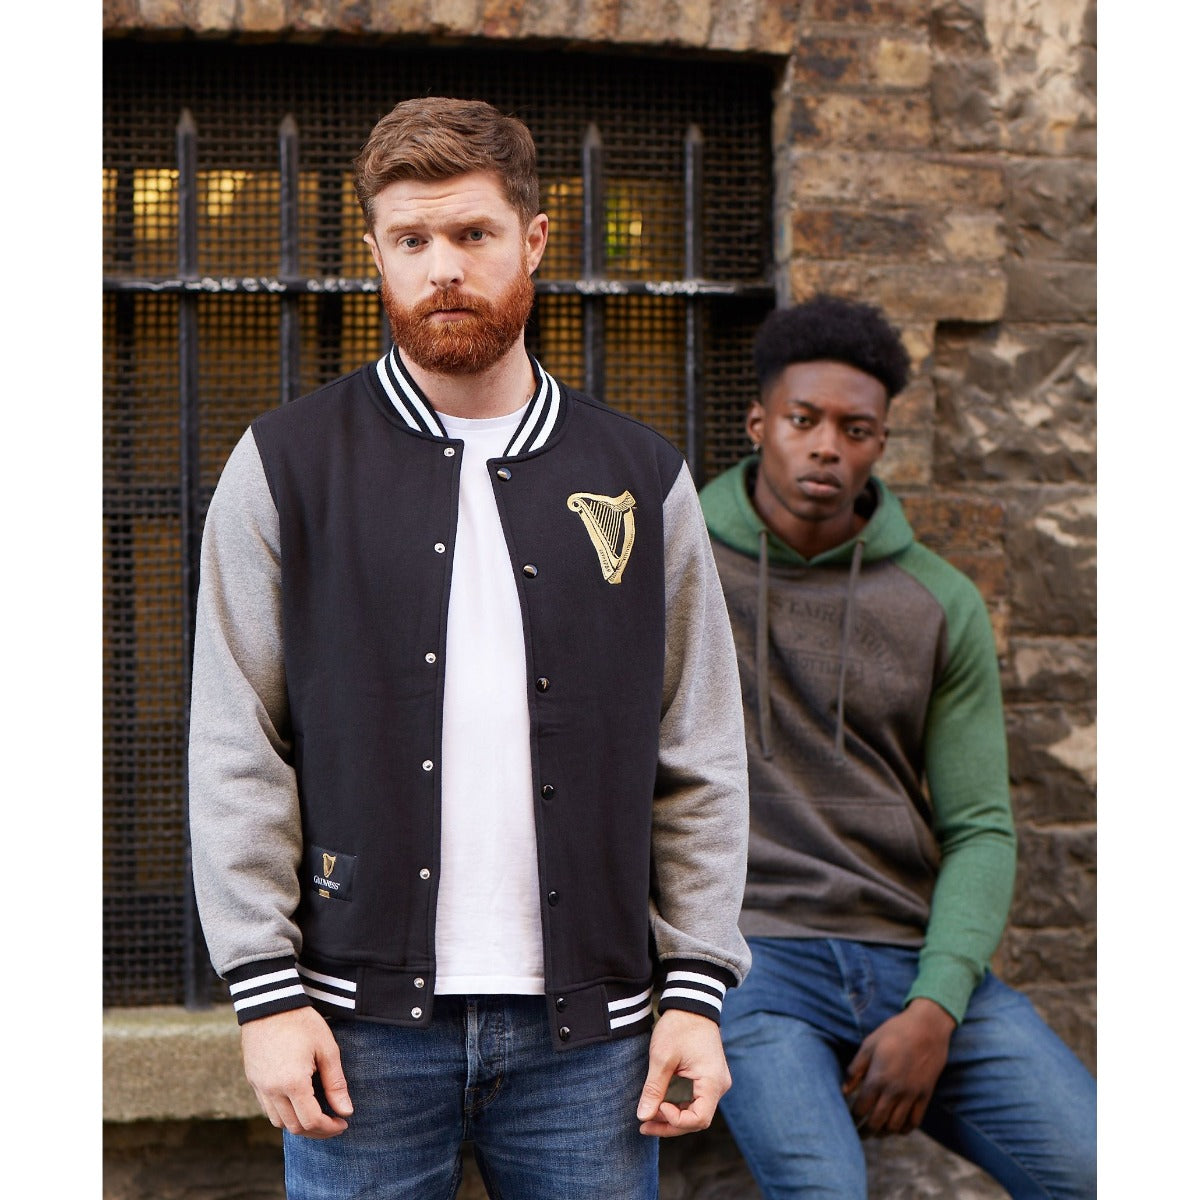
(536, 234)
(369, 238)
(756, 418)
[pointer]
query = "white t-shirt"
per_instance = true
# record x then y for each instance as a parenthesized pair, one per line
(489, 929)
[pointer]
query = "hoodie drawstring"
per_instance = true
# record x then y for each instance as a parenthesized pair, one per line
(762, 638)
(761, 642)
(847, 622)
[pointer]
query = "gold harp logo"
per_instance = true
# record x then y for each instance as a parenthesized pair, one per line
(609, 523)
(327, 861)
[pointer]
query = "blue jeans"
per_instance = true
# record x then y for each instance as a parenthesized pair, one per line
(1012, 1098)
(545, 1125)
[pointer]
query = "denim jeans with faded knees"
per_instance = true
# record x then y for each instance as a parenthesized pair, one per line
(546, 1124)
(1012, 1098)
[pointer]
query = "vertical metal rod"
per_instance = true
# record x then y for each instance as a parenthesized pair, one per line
(331, 306)
(693, 253)
(594, 236)
(289, 257)
(195, 979)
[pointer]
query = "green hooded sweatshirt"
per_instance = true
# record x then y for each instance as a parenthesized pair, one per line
(879, 798)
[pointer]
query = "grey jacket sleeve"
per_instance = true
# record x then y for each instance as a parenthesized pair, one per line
(701, 810)
(243, 804)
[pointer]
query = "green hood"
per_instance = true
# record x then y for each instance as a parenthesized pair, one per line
(733, 519)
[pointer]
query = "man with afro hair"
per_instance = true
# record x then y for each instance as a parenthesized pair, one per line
(882, 850)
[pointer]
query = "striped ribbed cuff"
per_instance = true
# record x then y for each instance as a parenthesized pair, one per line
(695, 986)
(261, 989)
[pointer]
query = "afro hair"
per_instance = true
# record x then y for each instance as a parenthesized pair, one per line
(830, 328)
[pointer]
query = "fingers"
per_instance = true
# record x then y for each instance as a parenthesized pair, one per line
(333, 1081)
(674, 1120)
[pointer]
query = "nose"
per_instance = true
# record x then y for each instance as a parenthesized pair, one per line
(824, 444)
(445, 264)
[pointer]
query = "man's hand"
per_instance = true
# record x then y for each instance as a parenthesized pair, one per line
(689, 1046)
(897, 1067)
(281, 1054)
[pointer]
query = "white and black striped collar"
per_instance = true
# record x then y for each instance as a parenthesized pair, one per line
(543, 414)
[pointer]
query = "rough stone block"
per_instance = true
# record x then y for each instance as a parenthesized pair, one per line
(1029, 957)
(1051, 543)
(963, 102)
(1051, 669)
(850, 232)
(399, 16)
(1051, 291)
(895, 122)
(646, 23)
(263, 16)
(215, 16)
(909, 13)
(907, 462)
(901, 62)
(824, 62)
(879, 179)
(193, 1160)
(163, 1063)
(733, 26)
(454, 16)
(1052, 760)
(958, 27)
(1056, 878)
(917, 1168)
(909, 291)
(777, 26)
(1052, 209)
(501, 18)
(947, 522)
(911, 411)
(1047, 88)
(969, 237)
(598, 20)
(1016, 404)
(118, 15)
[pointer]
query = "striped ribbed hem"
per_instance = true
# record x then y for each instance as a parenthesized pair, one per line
(262, 989)
(631, 1011)
(695, 986)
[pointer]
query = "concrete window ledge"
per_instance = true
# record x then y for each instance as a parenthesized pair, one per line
(168, 1064)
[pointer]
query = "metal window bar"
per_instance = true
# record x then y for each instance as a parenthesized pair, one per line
(594, 287)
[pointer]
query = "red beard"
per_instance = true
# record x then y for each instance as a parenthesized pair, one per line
(466, 346)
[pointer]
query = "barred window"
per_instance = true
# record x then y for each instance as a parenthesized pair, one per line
(235, 278)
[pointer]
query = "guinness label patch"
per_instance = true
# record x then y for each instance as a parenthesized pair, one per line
(609, 523)
(330, 873)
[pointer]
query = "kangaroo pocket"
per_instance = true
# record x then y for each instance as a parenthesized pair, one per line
(854, 868)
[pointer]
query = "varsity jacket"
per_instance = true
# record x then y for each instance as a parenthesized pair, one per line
(315, 741)
(878, 766)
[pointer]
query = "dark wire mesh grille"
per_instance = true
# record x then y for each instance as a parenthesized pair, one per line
(238, 96)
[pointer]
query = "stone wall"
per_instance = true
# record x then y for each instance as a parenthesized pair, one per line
(938, 158)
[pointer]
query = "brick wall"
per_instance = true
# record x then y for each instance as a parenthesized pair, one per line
(938, 158)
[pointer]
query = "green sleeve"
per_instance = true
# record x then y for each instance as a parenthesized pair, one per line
(966, 767)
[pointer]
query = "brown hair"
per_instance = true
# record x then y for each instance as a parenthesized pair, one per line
(434, 138)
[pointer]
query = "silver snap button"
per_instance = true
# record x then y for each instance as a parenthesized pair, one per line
(427, 765)
(418, 983)
(431, 657)
(416, 1012)
(449, 452)
(424, 872)
(440, 547)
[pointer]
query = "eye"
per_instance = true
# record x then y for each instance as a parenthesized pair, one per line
(476, 235)
(411, 242)
(801, 420)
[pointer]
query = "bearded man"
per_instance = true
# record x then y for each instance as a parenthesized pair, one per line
(467, 765)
